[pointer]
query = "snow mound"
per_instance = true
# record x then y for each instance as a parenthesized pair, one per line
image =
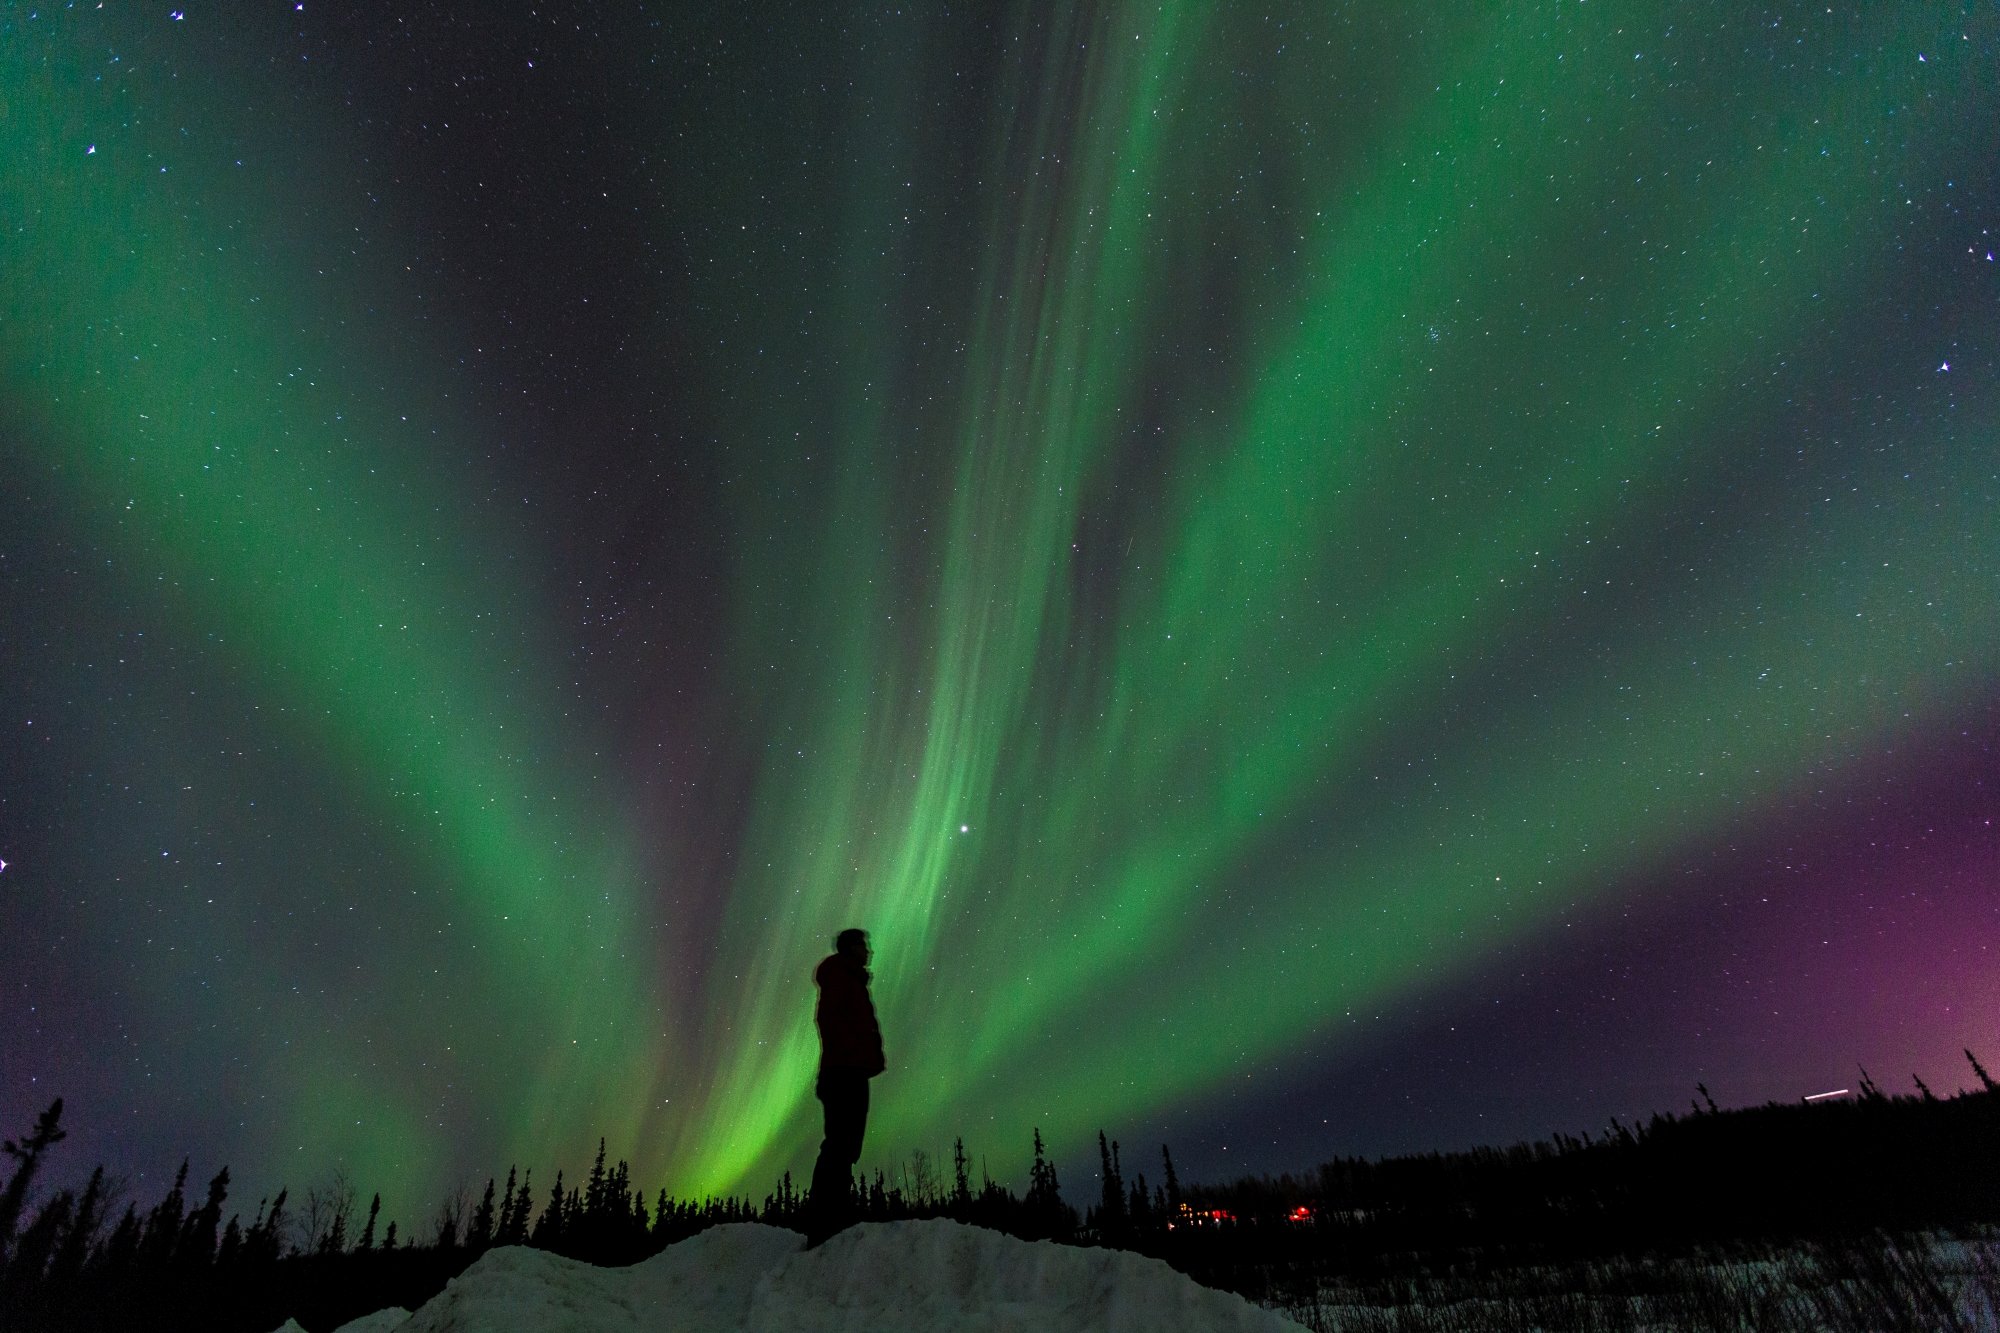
(935, 1275)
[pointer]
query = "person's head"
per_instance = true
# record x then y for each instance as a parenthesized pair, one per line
(853, 943)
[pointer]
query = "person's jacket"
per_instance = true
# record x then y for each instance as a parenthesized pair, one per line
(849, 1037)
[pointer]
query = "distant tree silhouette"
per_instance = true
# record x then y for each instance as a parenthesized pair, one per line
(616, 1199)
(37, 1242)
(1041, 1176)
(1985, 1080)
(878, 1196)
(367, 1241)
(515, 1232)
(27, 1155)
(503, 1225)
(450, 1219)
(70, 1256)
(121, 1252)
(593, 1192)
(1045, 1213)
(643, 1224)
(480, 1234)
(1743, 1175)
(199, 1233)
(1111, 1195)
(229, 1251)
(1139, 1205)
(549, 1227)
(163, 1225)
(266, 1237)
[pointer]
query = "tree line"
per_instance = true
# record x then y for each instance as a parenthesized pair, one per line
(1712, 1175)
(1707, 1179)
(323, 1260)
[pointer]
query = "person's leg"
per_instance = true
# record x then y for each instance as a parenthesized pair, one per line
(843, 1096)
(854, 1115)
(831, 1180)
(846, 1116)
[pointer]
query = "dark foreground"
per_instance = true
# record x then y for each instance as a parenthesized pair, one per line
(1877, 1214)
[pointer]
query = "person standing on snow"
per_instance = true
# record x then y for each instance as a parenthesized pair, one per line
(850, 1053)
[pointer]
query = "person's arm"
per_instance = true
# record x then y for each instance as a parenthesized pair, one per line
(876, 1061)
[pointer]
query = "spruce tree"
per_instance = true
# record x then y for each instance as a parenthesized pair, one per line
(1038, 1172)
(503, 1226)
(618, 1194)
(593, 1191)
(1139, 1205)
(274, 1227)
(163, 1224)
(27, 1155)
(1044, 1202)
(450, 1217)
(263, 1241)
(74, 1251)
(198, 1236)
(1985, 1080)
(367, 1241)
(38, 1240)
(524, 1207)
(961, 1187)
(480, 1235)
(1111, 1197)
(231, 1247)
(1173, 1184)
(122, 1250)
(549, 1227)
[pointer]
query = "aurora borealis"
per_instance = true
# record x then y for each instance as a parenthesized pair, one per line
(1325, 579)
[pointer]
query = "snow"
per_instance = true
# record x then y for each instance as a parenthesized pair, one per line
(382, 1321)
(932, 1275)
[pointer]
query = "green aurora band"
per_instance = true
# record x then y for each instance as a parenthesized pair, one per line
(1159, 653)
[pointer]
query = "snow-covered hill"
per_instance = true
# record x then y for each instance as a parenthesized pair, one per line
(934, 1275)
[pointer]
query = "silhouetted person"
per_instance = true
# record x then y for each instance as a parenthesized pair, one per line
(850, 1053)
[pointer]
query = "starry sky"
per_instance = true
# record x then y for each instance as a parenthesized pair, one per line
(1326, 578)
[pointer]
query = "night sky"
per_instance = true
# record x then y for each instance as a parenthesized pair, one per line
(1326, 578)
